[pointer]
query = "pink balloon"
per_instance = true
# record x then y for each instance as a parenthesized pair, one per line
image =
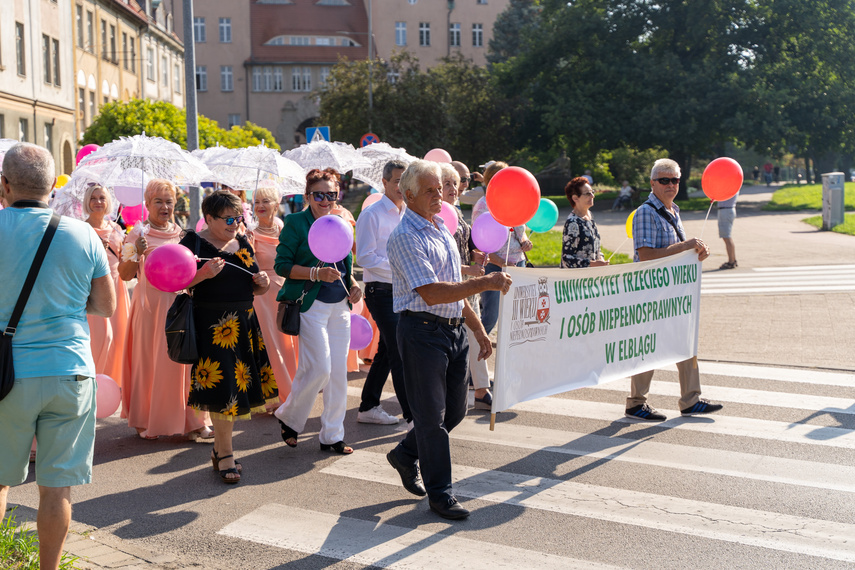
(170, 267)
(360, 332)
(134, 214)
(438, 155)
(108, 396)
(129, 195)
(200, 225)
(357, 307)
(372, 198)
(449, 216)
(330, 238)
(488, 234)
(85, 151)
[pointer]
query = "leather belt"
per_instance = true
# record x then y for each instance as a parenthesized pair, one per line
(379, 285)
(454, 322)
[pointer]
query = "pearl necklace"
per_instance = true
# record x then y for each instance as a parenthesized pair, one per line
(268, 231)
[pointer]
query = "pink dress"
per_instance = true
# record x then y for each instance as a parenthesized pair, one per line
(281, 348)
(108, 336)
(154, 395)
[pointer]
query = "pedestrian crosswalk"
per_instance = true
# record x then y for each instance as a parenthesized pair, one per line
(768, 482)
(780, 280)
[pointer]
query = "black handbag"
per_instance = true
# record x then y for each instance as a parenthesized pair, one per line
(181, 329)
(288, 314)
(7, 366)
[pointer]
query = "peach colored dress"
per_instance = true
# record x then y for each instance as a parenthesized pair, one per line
(370, 350)
(107, 336)
(281, 348)
(154, 395)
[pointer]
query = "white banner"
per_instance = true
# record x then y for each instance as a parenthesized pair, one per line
(562, 329)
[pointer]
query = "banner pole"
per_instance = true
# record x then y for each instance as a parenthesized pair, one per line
(492, 422)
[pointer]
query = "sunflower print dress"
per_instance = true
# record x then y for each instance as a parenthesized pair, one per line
(233, 377)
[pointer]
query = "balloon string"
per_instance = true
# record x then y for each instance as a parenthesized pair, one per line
(508, 249)
(227, 263)
(618, 247)
(705, 219)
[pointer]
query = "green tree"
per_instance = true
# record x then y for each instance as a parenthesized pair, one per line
(508, 30)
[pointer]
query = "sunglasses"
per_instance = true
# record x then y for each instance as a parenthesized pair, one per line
(667, 181)
(232, 219)
(465, 180)
(321, 196)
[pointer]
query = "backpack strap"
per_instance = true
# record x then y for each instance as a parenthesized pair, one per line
(667, 217)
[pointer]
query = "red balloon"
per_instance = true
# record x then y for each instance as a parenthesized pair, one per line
(722, 179)
(513, 196)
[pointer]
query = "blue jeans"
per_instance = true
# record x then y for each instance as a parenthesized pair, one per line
(490, 300)
(435, 359)
(378, 299)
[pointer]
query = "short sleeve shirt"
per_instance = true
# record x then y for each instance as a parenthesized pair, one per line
(649, 229)
(421, 253)
(53, 334)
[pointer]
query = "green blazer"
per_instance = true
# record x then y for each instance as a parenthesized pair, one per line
(293, 249)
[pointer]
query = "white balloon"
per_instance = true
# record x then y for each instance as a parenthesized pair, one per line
(129, 195)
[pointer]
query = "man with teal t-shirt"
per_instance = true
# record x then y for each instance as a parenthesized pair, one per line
(53, 398)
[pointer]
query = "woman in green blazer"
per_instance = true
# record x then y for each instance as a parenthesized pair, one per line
(324, 319)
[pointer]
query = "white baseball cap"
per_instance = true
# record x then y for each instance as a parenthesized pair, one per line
(487, 164)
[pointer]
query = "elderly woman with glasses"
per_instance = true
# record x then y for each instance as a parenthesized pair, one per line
(232, 378)
(107, 335)
(155, 389)
(581, 247)
(327, 292)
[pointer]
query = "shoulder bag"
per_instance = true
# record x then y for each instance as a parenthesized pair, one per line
(7, 367)
(180, 327)
(288, 314)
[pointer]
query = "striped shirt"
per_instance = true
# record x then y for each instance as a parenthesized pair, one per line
(649, 229)
(419, 254)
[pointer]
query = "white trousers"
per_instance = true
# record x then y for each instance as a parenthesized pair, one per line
(478, 368)
(321, 365)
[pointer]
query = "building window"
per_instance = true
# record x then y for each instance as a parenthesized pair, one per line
(324, 41)
(46, 57)
(454, 35)
(234, 120)
(113, 57)
(268, 79)
(149, 64)
(299, 40)
(164, 71)
(393, 76)
(324, 76)
(23, 130)
(81, 107)
(278, 83)
(256, 79)
(19, 49)
(49, 137)
(400, 33)
(481, 2)
(199, 30)
(55, 57)
(2, 126)
(477, 35)
(307, 78)
(125, 50)
(176, 80)
(301, 79)
(424, 34)
(225, 30)
(226, 78)
(93, 107)
(412, 2)
(79, 19)
(90, 32)
(133, 55)
(103, 39)
(201, 78)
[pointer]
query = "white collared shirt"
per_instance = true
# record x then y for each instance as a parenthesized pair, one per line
(373, 228)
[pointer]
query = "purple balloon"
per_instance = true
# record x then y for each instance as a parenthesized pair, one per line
(488, 234)
(330, 238)
(360, 332)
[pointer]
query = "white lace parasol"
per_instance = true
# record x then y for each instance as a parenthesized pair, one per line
(379, 154)
(5, 144)
(323, 154)
(251, 167)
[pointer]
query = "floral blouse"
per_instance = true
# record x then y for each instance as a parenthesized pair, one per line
(581, 242)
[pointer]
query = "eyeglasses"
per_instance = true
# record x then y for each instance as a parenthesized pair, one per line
(587, 194)
(667, 181)
(230, 220)
(321, 196)
(465, 180)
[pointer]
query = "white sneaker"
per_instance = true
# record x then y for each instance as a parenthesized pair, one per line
(376, 415)
(405, 426)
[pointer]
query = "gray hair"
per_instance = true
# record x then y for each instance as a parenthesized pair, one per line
(30, 169)
(87, 197)
(417, 169)
(448, 171)
(391, 167)
(663, 166)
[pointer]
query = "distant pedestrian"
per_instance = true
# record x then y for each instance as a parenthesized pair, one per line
(726, 216)
(756, 174)
(767, 173)
(776, 172)
(53, 398)
(587, 176)
(624, 197)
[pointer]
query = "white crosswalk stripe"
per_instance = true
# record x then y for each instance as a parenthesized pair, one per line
(805, 460)
(778, 280)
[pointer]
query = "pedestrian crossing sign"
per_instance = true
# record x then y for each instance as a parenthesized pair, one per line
(317, 134)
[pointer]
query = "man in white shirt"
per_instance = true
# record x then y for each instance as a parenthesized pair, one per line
(373, 228)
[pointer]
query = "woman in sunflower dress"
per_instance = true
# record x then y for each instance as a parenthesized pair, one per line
(232, 377)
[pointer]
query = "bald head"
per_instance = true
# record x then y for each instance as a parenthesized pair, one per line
(463, 171)
(29, 171)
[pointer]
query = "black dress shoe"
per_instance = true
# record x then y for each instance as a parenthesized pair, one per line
(449, 509)
(409, 475)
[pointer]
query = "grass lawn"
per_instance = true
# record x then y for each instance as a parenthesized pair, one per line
(807, 197)
(847, 227)
(547, 250)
